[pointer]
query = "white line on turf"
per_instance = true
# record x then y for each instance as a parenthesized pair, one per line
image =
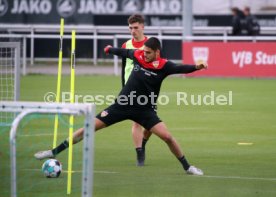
(39, 134)
(239, 177)
(105, 172)
(189, 128)
(245, 143)
(224, 112)
(204, 176)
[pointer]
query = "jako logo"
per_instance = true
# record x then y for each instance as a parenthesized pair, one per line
(31, 7)
(200, 54)
(66, 8)
(131, 6)
(3, 7)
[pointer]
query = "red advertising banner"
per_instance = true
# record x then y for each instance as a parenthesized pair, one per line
(234, 59)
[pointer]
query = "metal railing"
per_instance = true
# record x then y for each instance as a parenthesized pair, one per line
(222, 30)
(94, 33)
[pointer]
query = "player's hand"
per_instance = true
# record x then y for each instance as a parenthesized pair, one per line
(201, 65)
(106, 49)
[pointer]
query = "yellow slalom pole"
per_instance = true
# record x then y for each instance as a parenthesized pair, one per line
(58, 79)
(71, 120)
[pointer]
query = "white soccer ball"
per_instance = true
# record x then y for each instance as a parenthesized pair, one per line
(52, 168)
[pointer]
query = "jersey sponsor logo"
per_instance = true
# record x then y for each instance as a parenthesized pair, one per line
(200, 54)
(104, 113)
(136, 68)
(148, 73)
(66, 8)
(3, 7)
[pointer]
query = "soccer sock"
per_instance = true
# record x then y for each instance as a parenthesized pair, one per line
(139, 152)
(60, 147)
(184, 162)
(144, 143)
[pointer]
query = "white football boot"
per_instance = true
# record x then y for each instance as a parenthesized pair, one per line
(44, 154)
(194, 171)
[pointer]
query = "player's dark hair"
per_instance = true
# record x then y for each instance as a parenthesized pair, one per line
(247, 9)
(136, 18)
(153, 43)
(235, 9)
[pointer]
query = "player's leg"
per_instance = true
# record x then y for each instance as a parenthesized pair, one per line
(141, 151)
(137, 136)
(147, 133)
(107, 117)
(77, 137)
(78, 134)
(146, 136)
(161, 131)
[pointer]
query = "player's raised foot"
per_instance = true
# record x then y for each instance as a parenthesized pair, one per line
(194, 171)
(44, 154)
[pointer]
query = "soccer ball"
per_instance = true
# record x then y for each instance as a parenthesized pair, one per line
(51, 168)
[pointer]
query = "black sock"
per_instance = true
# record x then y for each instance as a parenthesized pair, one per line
(60, 147)
(144, 143)
(138, 150)
(140, 154)
(184, 163)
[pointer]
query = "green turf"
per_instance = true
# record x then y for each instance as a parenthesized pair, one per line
(207, 134)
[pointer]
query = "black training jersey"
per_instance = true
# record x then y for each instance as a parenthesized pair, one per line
(143, 86)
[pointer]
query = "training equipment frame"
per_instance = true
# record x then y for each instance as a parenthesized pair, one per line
(25, 108)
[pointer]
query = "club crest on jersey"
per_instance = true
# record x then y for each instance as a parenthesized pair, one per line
(104, 113)
(155, 64)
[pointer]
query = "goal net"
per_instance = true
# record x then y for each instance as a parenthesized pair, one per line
(9, 76)
(32, 131)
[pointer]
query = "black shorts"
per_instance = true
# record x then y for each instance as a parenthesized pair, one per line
(116, 113)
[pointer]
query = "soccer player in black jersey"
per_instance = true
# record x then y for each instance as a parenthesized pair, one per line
(137, 99)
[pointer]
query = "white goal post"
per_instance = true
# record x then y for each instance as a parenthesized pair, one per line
(25, 108)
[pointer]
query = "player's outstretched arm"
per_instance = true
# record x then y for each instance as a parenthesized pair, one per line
(127, 53)
(172, 68)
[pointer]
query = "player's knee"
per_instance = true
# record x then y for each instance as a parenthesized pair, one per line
(147, 134)
(167, 138)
